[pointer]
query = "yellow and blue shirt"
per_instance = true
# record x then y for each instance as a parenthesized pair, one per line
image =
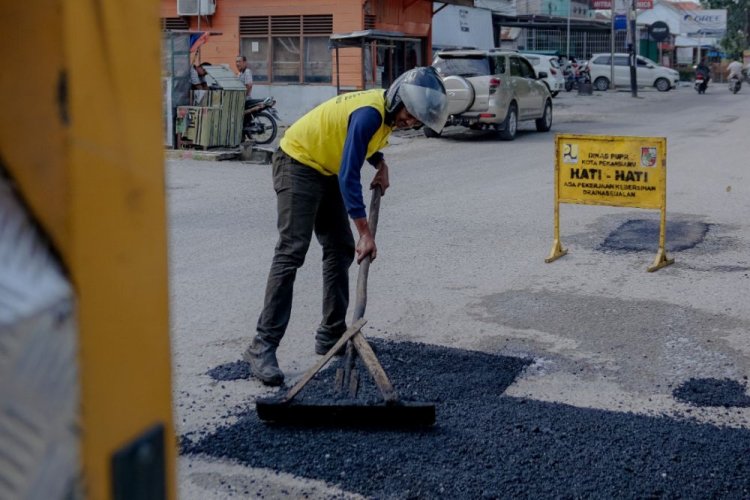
(336, 137)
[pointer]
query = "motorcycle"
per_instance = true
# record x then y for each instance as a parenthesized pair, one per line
(700, 83)
(576, 74)
(260, 121)
(734, 84)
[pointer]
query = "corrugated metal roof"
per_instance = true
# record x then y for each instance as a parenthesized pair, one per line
(224, 78)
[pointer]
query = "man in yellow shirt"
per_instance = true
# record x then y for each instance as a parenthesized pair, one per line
(316, 175)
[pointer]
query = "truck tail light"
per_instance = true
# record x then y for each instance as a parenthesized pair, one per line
(494, 84)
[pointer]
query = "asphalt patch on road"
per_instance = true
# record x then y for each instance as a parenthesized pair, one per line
(725, 392)
(236, 370)
(487, 445)
(641, 235)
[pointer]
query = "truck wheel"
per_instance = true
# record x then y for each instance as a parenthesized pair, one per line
(510, 124)
(461, 94)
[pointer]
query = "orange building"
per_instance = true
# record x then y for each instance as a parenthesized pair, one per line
(292, 45)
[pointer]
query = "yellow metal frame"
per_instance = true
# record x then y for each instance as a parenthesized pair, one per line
(557, 248)
(81, 135)
(661, 259)
(557, 251)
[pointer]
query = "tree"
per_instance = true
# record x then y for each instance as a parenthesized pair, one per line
(737, 37)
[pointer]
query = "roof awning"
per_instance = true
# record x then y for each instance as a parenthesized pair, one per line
(362, 40)
(357, 38)
(462, 3)
(548, 22)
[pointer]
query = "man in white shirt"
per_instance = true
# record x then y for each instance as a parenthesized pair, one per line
(734, 70)
(245, 76)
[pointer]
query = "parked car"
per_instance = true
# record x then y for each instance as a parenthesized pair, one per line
(648, 73)
(555, 80)
(493, 89)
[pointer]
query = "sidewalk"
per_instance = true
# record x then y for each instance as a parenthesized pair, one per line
(259, 153)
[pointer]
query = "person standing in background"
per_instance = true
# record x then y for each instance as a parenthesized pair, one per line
(245, 75)
(198, 76)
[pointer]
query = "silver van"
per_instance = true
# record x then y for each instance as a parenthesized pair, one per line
(493, 89)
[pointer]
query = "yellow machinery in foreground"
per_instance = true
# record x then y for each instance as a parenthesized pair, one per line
(85, 369)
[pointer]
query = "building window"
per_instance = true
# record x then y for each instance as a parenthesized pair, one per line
(287, 49)
(317, 60)
(286, 59)
(255, 49)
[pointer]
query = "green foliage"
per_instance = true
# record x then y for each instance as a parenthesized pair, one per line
(738, 19)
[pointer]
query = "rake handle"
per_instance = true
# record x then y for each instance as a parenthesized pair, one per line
(361, 300)
(364, 267)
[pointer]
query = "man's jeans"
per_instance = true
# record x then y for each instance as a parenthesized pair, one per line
(307, 201)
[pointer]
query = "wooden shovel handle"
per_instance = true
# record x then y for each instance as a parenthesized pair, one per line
(364, 267)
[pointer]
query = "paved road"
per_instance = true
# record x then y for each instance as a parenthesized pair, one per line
(463, 234)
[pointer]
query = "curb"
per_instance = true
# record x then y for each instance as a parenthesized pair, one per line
(195, 154)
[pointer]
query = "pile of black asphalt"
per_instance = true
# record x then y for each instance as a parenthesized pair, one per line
(488, 445)
(725, 392)
(236, 370)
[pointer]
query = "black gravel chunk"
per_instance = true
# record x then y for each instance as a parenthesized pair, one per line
(713, 392)
(487, 445)
(236, 370)
(642, 235)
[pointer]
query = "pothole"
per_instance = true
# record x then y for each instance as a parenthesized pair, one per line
(642, 235)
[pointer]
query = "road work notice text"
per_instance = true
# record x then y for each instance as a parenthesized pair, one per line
(605, 170)
(615, 171)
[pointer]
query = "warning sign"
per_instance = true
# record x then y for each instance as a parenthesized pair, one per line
(608, 170)
(615, 171)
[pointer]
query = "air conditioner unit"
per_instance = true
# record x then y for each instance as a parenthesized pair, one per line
(196, 7)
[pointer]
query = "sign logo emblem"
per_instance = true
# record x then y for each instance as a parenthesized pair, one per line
(570, 153)
(648, 157)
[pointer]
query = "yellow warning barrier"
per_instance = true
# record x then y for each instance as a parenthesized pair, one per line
(81, 138)
(616, 171)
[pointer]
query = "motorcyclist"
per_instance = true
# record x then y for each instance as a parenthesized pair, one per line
(570, 72)
(703, 69)
(734, 70)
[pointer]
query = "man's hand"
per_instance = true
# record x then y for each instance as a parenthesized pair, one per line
(381, 178)
(366, 244)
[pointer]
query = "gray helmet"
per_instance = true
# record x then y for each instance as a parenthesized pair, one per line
(422, 93)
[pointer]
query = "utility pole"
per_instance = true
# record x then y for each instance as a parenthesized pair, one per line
(612, 49)
(633, 51)
(567, 48)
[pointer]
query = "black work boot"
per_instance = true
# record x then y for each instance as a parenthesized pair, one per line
(325, 340)
(262, 358)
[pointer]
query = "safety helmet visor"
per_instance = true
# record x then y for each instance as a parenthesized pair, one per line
(428, 104)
